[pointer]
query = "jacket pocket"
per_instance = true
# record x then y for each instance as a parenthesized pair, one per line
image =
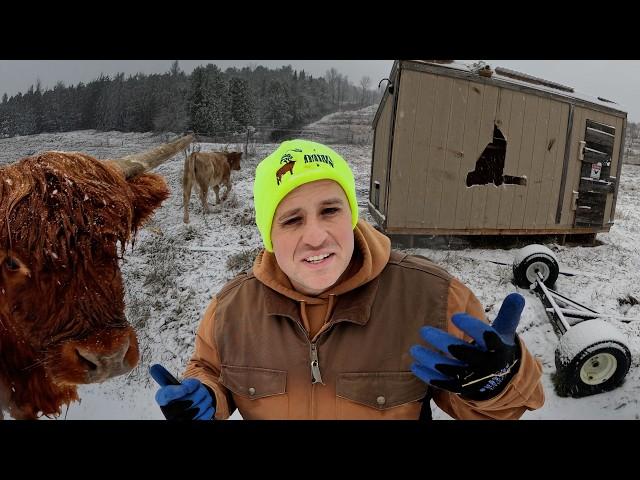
(257, 392)
(393, 395)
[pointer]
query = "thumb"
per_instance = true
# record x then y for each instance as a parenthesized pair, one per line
(162, 376)
(509, 316)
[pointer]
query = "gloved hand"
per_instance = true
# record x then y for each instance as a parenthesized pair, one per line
(189, 400)
(478, 370)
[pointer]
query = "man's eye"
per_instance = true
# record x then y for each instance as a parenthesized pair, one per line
(291, 221)
(330, 210)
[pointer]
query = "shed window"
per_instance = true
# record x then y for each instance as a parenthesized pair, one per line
(490, 165)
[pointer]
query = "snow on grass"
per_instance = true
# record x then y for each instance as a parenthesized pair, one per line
(174, 269)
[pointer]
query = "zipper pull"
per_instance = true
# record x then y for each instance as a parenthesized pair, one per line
(315, 366)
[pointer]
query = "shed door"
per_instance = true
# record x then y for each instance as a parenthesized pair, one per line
(595, 183)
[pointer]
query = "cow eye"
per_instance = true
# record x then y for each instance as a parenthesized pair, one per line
(11, 264)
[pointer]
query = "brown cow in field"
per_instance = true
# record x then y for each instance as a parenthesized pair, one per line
(62, 316)
(208, 169)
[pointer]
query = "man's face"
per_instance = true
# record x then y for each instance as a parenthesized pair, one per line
(312, 235)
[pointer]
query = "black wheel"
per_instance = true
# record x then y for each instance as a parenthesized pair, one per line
(591, 358)
(533, 259)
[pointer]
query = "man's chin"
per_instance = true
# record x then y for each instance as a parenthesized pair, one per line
(317, 287)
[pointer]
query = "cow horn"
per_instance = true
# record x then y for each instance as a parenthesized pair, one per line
(138, 163)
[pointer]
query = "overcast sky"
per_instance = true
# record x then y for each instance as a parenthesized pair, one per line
(616, 80)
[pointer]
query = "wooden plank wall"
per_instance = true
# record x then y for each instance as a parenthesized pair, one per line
(413, 210)
(409, 93)
(476, 218)
(464, 195)
(443, 124)
(511, 122)
(454, 154)
(380, 159)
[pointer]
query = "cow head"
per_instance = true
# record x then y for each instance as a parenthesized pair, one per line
(66, 218)
(234, 159)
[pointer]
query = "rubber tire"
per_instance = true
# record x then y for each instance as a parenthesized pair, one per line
(520, 269)
(567, 379)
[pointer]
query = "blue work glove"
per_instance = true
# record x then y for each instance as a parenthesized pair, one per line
(478, 370)
(189, 400)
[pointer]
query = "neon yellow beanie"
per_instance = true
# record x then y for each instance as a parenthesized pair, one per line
(294, 163)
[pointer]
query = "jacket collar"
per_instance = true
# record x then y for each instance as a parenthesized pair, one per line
(353, 306)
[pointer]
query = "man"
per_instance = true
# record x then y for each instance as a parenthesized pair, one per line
(330, 321)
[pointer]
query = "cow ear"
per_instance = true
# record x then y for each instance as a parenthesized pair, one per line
(149, 191)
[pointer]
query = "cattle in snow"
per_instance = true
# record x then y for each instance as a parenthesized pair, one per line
(208, 169)
(65, 220)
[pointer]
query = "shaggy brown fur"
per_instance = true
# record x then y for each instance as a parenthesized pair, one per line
(61, 294)
(208, 169)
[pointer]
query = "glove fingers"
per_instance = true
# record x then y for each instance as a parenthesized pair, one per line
(206, 414)
(200, 395)
(472, 326)
(469, 354)
(161, 375)
(428, 375)
(170, 393)
(509, 315)
(430, 359)
(179, 410)
(191, 384)
(454, 372)
(439, 339)
(202, 401)
(494, 341)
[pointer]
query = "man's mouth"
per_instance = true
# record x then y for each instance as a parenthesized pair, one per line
(317, 258)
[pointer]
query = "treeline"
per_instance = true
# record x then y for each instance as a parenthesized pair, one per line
(209, 101)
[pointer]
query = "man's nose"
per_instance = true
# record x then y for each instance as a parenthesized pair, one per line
(314, 233)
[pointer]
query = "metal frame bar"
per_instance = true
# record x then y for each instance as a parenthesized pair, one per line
(561, 316)
(557, 317)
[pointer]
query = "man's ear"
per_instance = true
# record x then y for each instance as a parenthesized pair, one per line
(149, 191)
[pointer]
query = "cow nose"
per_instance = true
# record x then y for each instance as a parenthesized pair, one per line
(102, 366)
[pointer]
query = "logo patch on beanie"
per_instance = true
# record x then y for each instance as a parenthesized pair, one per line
(286, 158)
(287, 167)
(314, 157)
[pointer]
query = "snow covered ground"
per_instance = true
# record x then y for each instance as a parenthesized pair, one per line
(351, 126)
(174, 269)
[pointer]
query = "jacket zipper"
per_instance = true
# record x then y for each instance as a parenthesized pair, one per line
(316, 377)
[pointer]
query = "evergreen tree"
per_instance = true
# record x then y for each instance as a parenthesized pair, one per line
(208, 101)
(199, 101)
(172, 109)
(276, 111)
(242, 105)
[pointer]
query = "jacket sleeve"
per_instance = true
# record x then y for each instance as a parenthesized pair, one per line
(205, 363)
(524, 391)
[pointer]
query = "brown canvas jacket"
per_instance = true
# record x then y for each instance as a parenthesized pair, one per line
(275, 353)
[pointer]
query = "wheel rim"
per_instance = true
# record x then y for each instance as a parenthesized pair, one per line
(598, 368)
(535, 267)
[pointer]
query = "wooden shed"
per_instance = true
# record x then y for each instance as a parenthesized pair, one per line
(482, 150)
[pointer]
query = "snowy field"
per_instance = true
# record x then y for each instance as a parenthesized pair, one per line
(174, 269)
